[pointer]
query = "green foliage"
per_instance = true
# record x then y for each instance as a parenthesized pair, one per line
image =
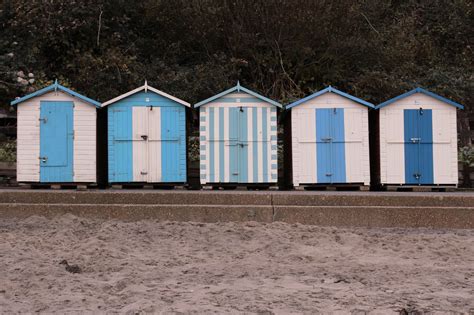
(8, 151)
(466, 155)
(196, 48)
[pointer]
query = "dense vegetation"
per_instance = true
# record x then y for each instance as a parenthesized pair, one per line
(374, 49)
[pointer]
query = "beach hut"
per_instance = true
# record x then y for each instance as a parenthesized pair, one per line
(238, 139)
(146, 137)
(418, 139)
(330, 139)
(56, 139)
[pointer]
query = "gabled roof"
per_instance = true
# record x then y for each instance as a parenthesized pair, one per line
(330, 89)
(238, 88)
(420, 90)
(55, 87)
(145, 87)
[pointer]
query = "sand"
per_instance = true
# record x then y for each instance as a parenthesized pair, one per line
(170, 267)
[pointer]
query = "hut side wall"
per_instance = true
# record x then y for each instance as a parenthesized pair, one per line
(356, 135)
(392, 161)
(28, 141)
(219, 129)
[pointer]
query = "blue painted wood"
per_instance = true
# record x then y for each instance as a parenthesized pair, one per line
(120, 144)
(173, 144)
(243, 145)
(233, 145)
(423, 91)
(221, 145)
(265, 144)
(212, 145)
(56, 142)
(255, 143)
(418, 134)
(330, 145)
(55, 87)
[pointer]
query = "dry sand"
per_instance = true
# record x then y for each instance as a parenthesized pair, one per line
(231, 268)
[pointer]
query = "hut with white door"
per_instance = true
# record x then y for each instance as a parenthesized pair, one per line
(146, 137)
(56, 138)
(330, 139)
(238, 139)
(418, 139)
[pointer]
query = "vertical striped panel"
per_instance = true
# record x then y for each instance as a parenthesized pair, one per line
(250, 155)
(260, 144)
(226, 127)
(211, 141)
(140, 152)
(155, 125)
(203, 145)
(273, 146)
(222, 127)
(395, 148)
(255, 146)
(355, 147)
(444, 130)
(243, 145)
(233, 144)
(265, 136)
(338, 153)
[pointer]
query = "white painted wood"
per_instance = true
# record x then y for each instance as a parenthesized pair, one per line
(260, 144)
(216, 104)
(250, 153)
(203, 143)
(28, 138)
(303, 124)
(392, 154)
(28, 141)
(140, 147)
(145, 87)
(154, 146)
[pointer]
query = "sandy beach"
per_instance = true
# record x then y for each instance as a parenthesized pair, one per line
(169, 267)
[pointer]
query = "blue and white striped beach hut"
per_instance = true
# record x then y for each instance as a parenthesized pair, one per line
(238, 138)
(418, 139)
(56, 138)
(146, 137)
(330, 139)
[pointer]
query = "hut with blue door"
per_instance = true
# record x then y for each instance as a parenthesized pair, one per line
(56, 138)
(146, 137)
(330, 139)
(238, 139)
(418, 139)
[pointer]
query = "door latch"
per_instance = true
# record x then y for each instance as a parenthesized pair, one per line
(43, 159)
(415, 140)
(44, 120)
(327, 139)
(421, 111)
(417, 175)
(143, 173)
(241, 109)
(145, 137)
(328, 174)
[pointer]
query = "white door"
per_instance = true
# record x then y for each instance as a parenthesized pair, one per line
(154, 145)
(140, 144)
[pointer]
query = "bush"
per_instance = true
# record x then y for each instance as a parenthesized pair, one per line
(8, 151)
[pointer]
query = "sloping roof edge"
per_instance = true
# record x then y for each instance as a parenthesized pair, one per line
(330, 89)
(238, 88)
(145, 88)
(420, 90)
(54, 87)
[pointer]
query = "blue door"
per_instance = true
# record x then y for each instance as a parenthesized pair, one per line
(173, 145)
(234, 160)
(418, 132)
(243, 147)
(330, 145)
(120, 144)
(56, 142)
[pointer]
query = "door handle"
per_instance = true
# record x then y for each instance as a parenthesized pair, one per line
(44, 120)
(43, 159)
(414, 140)
(144, 137)
(328, 174)
(143, 173)
(327, 139)
(417, 175)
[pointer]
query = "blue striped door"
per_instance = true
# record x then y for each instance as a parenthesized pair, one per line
(243, 147)
(233, 145)
(418, 133)
(56, 142)
(330, 145)
(173, 143)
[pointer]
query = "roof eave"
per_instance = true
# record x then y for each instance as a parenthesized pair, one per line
(423, 91)
(330, 89)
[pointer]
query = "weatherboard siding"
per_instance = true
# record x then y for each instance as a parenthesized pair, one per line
(28, 138)
(355, 137)
(132, 159)
(222, 126)
(392, 150)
